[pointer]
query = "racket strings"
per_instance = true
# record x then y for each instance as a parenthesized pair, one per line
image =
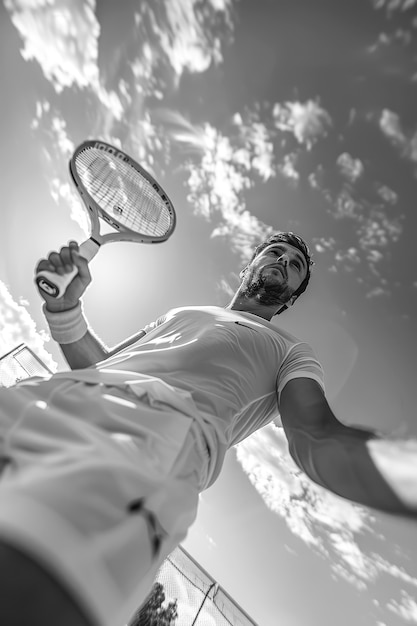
(123, 193)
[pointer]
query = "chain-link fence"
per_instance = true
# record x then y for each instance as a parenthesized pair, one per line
(20, 363)
(200, 600)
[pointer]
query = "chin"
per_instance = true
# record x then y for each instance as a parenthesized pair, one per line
(274, 297)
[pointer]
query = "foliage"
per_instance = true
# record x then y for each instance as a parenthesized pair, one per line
(152, 613)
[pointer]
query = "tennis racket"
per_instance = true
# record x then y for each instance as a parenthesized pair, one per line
(118, 190)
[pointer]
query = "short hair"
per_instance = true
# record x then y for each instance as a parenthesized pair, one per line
(293, 240)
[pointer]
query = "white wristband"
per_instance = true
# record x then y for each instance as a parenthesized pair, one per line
(66, 326)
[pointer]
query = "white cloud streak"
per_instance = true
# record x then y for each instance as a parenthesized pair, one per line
(226, 169)
(394, 5)
(391, 127)
(62, 36)
(406, 608)
(350, 168)
(184, 33)
(307, 121)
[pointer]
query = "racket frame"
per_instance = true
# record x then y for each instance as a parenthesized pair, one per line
(54, 284)
(123, 232)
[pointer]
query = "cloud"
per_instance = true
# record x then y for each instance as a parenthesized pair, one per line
(394, 5)
(188, 35)
(221, 169)
(378, 230)
(348, 257)
(350, 168)
(224, 286)
(378, 292)
(346, 206)
(217, 182)
(390, 124)
(287, 168)
(224, 167)
(63, 193)
(387, 194)
(192, 138)
(57, 148)
(62, 36)
(374, 223)
(391, 127)
(322, 244)
(243, 231)
(258, 145)
(224, 164)
(307, 121)
(406, 608)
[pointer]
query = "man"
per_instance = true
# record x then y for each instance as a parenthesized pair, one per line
(104, 463)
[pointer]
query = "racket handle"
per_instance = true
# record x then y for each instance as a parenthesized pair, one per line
(54, 284)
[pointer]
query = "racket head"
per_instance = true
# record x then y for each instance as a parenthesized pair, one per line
(118, 189)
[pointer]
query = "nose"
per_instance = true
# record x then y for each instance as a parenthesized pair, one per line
(284, 259)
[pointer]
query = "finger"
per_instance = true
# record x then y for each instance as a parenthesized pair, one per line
(44, 265)
(82, 265)
(55, 260)
(66, 258)
(73, 245)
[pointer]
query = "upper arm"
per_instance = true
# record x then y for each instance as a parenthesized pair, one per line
(303, 404)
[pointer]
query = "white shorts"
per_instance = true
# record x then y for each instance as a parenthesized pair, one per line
(98, 486)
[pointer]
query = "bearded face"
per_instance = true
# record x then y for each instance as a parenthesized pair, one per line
(268, 284)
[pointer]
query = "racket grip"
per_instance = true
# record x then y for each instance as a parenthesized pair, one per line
(54, 284)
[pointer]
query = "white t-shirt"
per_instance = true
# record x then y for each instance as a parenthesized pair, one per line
(228, 366)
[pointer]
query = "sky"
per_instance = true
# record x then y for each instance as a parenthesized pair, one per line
(256, 116)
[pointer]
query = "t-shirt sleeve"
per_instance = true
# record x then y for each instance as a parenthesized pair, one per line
(300, 362)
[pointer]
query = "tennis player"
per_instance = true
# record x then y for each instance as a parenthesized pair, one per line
(103, 464)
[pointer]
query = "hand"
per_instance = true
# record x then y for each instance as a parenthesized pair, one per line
(62, 262)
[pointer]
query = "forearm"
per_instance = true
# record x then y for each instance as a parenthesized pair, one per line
(78, 343)
(80, 346)
(89, 350)
(338, 458)
(85, 352)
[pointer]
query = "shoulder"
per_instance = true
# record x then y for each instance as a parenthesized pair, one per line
(300, 362)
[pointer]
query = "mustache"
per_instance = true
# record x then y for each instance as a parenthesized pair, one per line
(279, 267)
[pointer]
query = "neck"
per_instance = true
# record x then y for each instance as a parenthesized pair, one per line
(252, 305)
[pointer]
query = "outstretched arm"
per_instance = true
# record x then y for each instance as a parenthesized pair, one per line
(80, 346)
(340, 458)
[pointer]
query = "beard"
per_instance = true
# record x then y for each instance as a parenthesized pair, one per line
(266, 292)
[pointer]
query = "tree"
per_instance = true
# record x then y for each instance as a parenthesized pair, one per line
(152, 613)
